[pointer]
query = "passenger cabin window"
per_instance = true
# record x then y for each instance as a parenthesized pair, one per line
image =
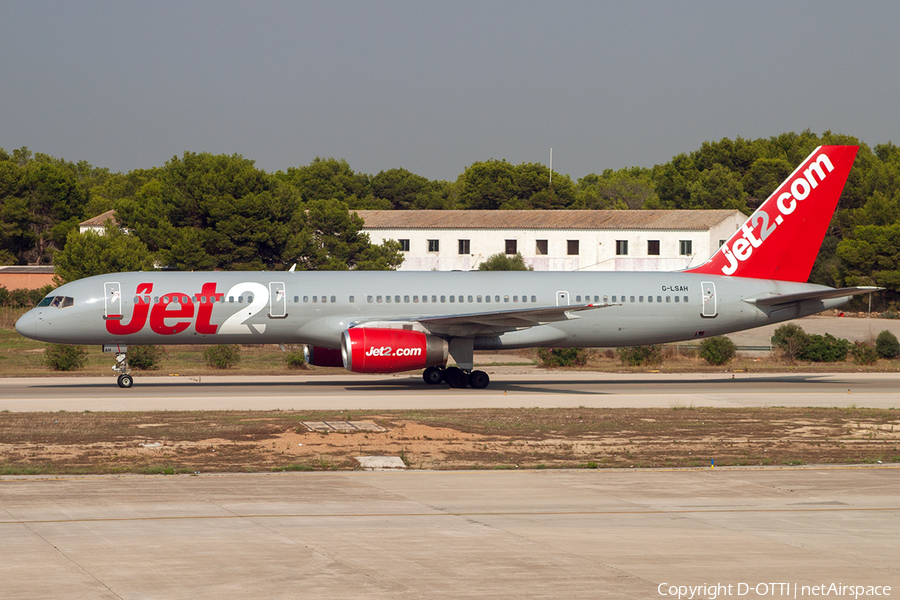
(621, 247)
(652, 247)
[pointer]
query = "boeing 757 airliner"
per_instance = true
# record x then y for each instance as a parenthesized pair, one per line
(385, 322)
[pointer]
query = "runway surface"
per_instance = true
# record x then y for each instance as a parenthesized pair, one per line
(509, 388)
(539, 534)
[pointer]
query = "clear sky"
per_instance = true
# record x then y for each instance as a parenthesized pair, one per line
(435, 86)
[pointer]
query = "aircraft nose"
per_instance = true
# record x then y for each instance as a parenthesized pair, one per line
(27, 325)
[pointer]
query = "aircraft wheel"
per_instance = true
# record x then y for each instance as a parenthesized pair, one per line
(456, 377)
(125, 381)
(433, 375)
(479, 380)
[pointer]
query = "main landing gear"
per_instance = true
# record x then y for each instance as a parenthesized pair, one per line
(121, 367)
(456, 377)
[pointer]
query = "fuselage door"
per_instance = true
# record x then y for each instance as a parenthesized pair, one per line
(709, 299)
(562, 298)
(277, 300)
(112, 300)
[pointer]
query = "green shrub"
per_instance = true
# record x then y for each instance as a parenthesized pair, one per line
(825, 348)
(145, 358)
(790, 340)
(890, 313)
(223, 356)
(718, 350)
(886, 345)
(61, 357)
(563, 357)
(863, 354)
(295, 359)
(641, 355)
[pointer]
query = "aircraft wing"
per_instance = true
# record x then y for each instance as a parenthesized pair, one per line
(779, 299)
(502, 321)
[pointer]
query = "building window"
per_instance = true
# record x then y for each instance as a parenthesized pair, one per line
(572, 247)
(434, 245)
(464, 247)
(621, 247)
(721, 243)
(511, 246)
(540, 247)
(685, 247)
(404, 245)
(652, 247)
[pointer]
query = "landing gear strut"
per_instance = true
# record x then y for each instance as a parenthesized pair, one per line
(462, 351)
(121, 367)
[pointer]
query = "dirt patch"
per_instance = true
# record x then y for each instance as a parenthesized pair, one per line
(226, 441)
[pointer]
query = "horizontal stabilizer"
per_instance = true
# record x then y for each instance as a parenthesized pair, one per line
(777, 300)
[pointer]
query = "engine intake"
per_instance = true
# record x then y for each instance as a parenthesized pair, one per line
(323, 357)
(375, 350)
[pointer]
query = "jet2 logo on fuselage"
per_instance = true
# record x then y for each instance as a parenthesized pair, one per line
(180, 308)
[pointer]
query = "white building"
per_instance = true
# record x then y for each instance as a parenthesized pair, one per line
(554, 240)
(98, 224)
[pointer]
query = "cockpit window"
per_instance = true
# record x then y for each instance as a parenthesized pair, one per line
(57, 301)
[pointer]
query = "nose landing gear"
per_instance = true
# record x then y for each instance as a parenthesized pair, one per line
(121, 367)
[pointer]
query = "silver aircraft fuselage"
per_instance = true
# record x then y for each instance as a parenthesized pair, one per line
(316, 307)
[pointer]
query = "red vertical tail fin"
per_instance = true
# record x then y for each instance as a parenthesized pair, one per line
(782, 238)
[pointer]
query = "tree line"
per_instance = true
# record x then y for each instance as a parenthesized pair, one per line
(205, 211)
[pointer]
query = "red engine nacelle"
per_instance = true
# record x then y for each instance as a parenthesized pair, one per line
(323, 357)
(373, 350)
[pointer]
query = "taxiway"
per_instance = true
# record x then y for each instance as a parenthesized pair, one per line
(510, 388)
